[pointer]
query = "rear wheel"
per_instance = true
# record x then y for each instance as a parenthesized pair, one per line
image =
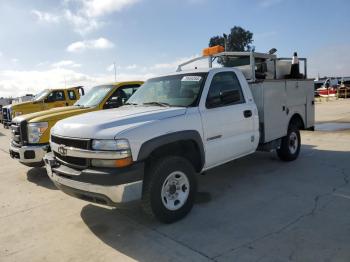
(290, 145)
(169, 189)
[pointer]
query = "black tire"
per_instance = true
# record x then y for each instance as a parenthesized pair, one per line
(155, 177)
(288, 152)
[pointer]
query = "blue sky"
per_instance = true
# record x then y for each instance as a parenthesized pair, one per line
(52, 43)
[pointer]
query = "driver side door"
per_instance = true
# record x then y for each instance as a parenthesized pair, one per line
(227, 120)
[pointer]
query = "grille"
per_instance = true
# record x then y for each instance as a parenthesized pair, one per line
(75, 162)
(19, 133)
(5, 114)
(77, 143)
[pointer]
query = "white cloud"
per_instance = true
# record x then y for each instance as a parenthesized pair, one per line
(100, 43)
(45, 17)
(66, 63)
(81, 24)
(16, 83)
(97, 8)
(110, 68)
(14, 60)
(1, 54)
(84, 15)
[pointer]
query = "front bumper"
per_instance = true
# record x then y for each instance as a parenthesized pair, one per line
(29, 155)
(103, 186)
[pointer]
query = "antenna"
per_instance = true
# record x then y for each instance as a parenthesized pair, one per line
(115, 72)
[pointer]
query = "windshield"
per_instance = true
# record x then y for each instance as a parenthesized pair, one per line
(176, 90)
(41, 95)
(95, 96)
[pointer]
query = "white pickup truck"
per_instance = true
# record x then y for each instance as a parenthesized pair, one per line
(179, 125)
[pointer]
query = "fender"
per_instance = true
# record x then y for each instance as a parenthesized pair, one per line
(149, 146)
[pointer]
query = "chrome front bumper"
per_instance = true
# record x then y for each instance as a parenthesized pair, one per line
(29, 154)
(103, 194)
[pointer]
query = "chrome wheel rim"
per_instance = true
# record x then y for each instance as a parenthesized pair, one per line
(175, 190)
(293, 143)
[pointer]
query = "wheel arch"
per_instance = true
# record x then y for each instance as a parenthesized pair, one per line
(187, 144)
(297, 120)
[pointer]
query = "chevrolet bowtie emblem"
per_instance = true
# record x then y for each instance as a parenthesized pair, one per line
(62, 150)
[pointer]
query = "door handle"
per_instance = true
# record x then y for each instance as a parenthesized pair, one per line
(247, 113)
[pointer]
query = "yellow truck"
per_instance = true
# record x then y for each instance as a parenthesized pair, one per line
(31, 132)
(46, 99)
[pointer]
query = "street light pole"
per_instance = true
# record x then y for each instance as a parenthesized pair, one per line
(115, 72)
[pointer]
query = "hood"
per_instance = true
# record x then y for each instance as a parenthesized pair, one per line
(30, 116)
(47, 115)
(107, 124)
(20, 106)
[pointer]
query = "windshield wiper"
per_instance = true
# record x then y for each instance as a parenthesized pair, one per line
(157, 104)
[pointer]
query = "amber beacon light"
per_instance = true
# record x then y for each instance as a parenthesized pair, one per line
(213, 50)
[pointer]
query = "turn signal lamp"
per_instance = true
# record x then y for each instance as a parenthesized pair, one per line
(213, 50)
(123, 162)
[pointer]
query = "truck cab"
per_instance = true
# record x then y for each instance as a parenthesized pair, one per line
(31, 132)
(46, 99)
(179, 125)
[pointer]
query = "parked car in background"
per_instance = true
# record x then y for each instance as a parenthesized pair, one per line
(344, 90)
(31, 132)
(46, 99)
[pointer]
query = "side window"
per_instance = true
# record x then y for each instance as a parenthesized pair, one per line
(224, 90)
(56, 96)
(71, 95)
(129, 91)
(120, 96)
(116, 99)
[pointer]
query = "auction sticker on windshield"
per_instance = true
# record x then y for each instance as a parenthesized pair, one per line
(191, 78)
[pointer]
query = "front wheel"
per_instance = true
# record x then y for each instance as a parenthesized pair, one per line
(169, 189)
(290, 145)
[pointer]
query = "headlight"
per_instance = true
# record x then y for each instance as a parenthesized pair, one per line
(121, 145)
(35, 131)
(110, 145)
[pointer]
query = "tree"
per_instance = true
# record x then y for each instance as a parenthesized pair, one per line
(239, 39)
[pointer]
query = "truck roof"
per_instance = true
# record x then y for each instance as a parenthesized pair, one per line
(135, 82)
(57, 88)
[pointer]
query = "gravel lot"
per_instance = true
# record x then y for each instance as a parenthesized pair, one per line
(252, 209)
